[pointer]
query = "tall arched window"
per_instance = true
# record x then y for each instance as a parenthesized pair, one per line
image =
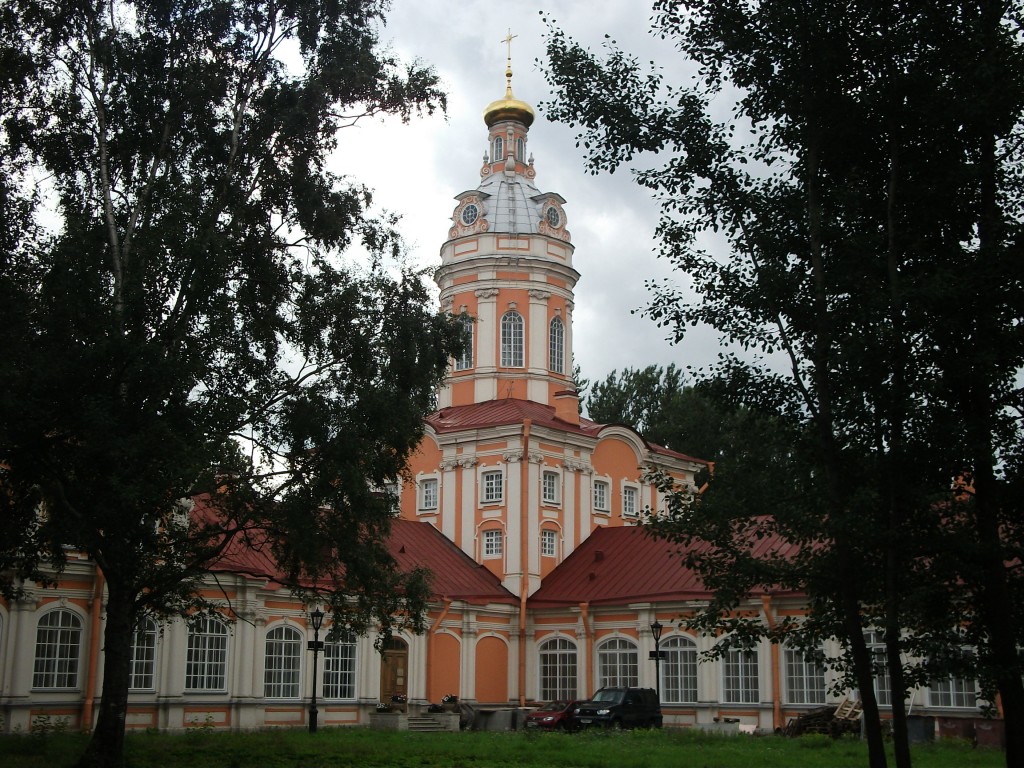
(556, 346)
(282, 662)
(499, 149)
(805, 677)
(557, 669)
(58, 645)
(679, 670)
(739, 677)
(617, 663)
(206, 661)
(465, 360)
(141, 675)
(340, 668)
(512, 355)
(521, 150)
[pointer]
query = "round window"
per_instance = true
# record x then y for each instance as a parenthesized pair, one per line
(554, 219)
(470, 214)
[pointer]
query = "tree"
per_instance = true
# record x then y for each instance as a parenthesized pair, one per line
(875, 168)
(181, 324)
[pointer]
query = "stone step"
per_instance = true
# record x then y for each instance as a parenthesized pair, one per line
(425, 724)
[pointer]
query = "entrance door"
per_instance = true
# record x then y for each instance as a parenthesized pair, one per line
(394, 677)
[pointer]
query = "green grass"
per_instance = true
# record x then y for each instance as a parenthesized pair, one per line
(341, 748)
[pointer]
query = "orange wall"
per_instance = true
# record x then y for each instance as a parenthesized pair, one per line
(491, 671)
(444, 668)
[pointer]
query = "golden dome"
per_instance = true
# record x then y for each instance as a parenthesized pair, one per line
(509, 108)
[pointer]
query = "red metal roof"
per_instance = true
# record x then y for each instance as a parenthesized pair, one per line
(413, 544)
(511, 411)
(621, 565)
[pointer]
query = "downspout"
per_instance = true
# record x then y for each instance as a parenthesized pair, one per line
(430, 643)
(589, 635)
(96, 609)
(524, 555)
(766, 603)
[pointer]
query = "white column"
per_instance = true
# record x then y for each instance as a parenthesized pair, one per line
(469, 502)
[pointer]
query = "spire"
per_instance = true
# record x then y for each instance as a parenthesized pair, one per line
(509, 108)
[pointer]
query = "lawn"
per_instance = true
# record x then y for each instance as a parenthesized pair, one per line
(340, 748)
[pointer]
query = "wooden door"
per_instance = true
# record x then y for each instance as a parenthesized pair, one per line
(394, 670)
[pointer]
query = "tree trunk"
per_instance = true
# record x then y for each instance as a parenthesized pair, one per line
(106, 748)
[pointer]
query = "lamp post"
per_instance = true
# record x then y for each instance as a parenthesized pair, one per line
(315, 645)
(656, 628)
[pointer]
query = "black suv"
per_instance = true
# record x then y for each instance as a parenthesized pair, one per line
(620, 708)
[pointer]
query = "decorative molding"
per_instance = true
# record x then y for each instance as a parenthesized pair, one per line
(448, 464)
(486, 293)
(539, 295)
(536, 457)
(512, 456)
(467, 461)
(575, 465)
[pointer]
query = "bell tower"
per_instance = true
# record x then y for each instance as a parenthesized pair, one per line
(507, 266)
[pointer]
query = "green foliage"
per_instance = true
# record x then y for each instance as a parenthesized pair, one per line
(866, 283)
(180, 322)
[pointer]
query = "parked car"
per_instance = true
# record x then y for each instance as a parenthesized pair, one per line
(555, 715)
(620, 708)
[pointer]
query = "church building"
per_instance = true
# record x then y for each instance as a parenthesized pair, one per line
(530, 517)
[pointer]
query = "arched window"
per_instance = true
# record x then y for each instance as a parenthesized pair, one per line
(143, 668)
(512, 340)
(805, 677)
(58, 645)
(557, 669)
(521, 150)
(281, 667)
(617, 663)
(739, 677)
(340, 668)
(679, 671)
(465, 360)
(556, 346)
(499, 149)
(206, 661)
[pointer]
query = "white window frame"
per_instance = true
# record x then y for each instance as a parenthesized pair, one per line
(142, 673)
(340, 667)
(428, 497)
(602, 503)
(206, 655)
(679, 670)
(550, 488)
(513, 345)
(492, 486)
(58, 650)
(741, 677)
(618, 663)
(492, 543)
(875, 641)
(465, 361)
(556, 667)
(805, 677)
(556, 345)
(953, 692)
(548, 543)
(631, 511)
(521, 149)
(497, 149)
(282, 663)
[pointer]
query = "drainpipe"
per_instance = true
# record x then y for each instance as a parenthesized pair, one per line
(524, 555)
(430, 643)
(589, 635)
(766, 603)
(96, 609)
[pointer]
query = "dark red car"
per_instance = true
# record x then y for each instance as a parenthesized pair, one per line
(555, 715)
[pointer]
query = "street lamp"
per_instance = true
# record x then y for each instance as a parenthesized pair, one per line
(315, 645)
(656, 655)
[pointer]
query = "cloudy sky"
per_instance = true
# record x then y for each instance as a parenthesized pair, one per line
(418, 169)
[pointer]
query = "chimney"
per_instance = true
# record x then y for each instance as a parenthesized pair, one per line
(567, 406)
